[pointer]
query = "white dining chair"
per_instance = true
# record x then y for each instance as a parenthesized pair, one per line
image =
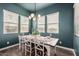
(28, 47)
(21, 43)
(39, 48)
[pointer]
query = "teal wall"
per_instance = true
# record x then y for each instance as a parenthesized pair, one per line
(65, 23)
(65, 34)
(12, 38)
(76, 44)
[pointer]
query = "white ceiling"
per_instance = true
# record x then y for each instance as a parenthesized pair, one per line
(31, 6)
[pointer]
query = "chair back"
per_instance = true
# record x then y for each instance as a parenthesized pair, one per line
(39, 48)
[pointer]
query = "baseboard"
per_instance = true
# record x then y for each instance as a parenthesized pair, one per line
(9, 47)
(70, 49)
(56, 46)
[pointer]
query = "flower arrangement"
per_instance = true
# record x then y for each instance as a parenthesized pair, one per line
(35, 33)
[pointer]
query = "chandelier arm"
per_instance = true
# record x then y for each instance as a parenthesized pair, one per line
(35, 10)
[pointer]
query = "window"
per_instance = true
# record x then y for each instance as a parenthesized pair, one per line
(76, 19)
(24, 23)
(53, 23)
(41, 24)
(10, 23)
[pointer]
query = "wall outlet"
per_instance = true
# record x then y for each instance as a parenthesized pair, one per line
(8, 42)
(60, 42)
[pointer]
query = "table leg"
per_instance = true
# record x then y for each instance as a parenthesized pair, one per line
(55, 51)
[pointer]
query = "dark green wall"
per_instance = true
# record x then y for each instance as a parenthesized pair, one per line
(65, 34)
(12, 38)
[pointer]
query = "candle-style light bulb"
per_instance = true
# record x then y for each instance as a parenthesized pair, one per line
(39, 15)
(32, 15)
(29, 17)
(34, 18)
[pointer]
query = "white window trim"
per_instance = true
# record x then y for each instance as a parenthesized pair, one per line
(23, 24)
(52, 23)
(41, 24)
(76, 19)
(4, 24)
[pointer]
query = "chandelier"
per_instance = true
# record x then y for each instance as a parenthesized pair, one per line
(34, 15)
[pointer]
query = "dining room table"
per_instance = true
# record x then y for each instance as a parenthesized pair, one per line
(47, 40)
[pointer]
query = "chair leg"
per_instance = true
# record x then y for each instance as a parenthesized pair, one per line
(43, 50)
(19, 47)
(25, 49)
(30, 49)
(35, 51)
(22, 48)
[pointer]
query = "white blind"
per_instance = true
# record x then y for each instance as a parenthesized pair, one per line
(10, 16)
(41, 24)
(53, 23)
(10, 23)
(24, 23)
(41, 20)
(24, 20)
(53, 18)
(76, 19)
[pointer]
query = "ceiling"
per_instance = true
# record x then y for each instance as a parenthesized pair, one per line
(31, 6)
